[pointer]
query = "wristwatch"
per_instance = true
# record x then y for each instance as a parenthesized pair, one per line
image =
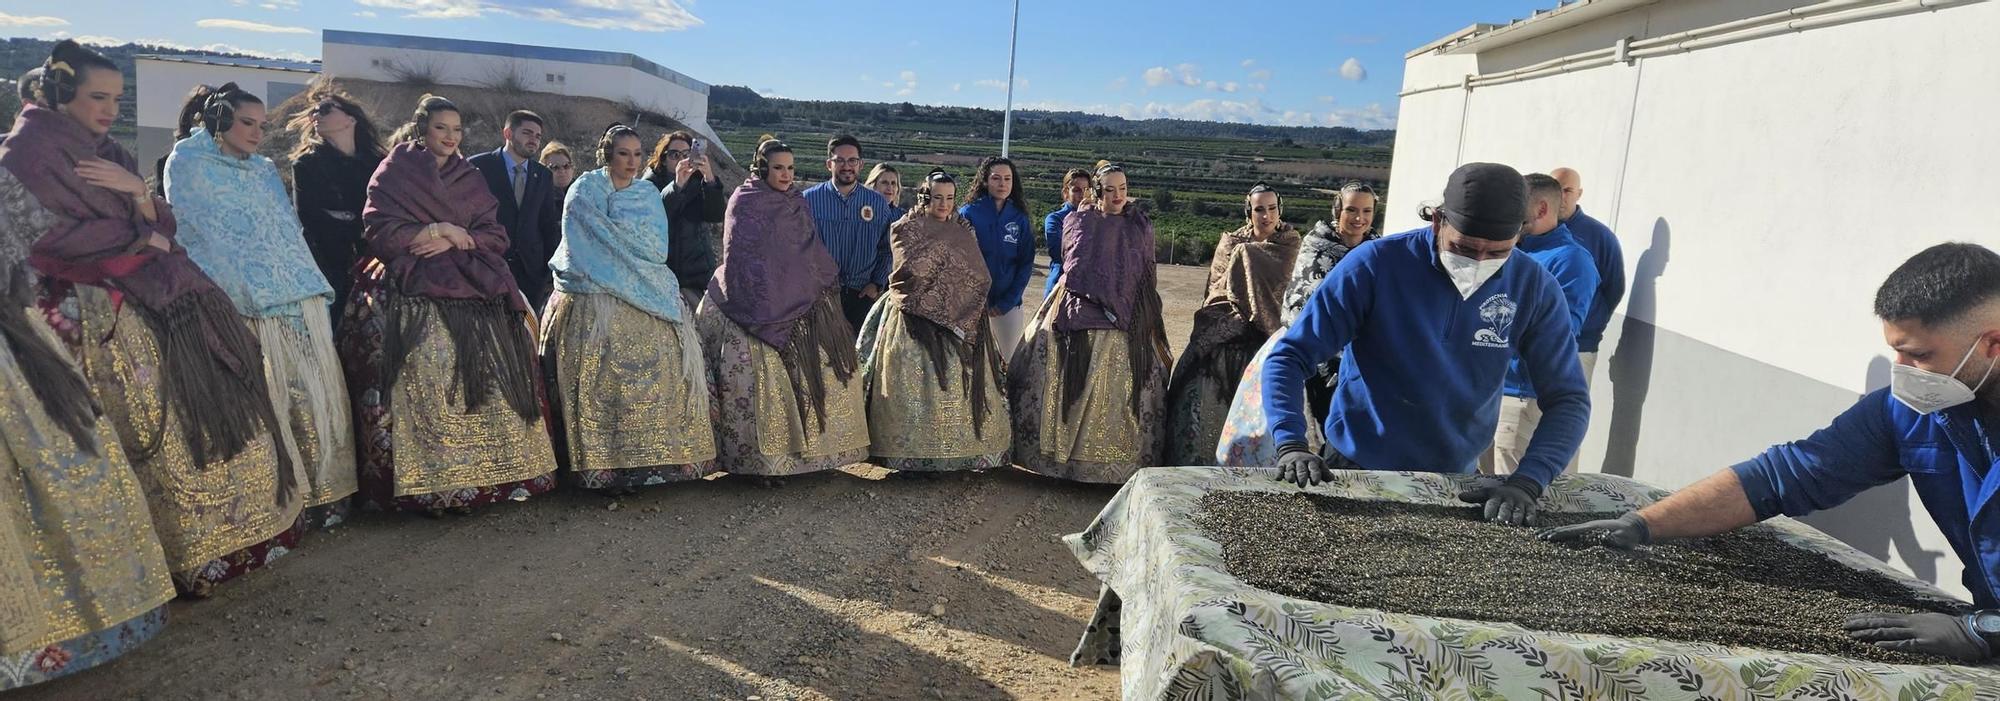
(1986, 625)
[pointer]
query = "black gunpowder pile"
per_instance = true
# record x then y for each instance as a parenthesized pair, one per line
(1743, 588)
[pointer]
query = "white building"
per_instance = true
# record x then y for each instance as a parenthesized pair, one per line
(164, 82)
(1766, 164)
(618, 77)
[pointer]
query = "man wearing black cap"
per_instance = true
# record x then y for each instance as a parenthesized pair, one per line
(1430, 319)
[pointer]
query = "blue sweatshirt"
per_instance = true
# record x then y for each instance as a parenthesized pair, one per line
(1597, 238)
(1419, 386)
(1052, 229)
(1007, 240)
(1948, 456)
(855, 229)
(1573, 269)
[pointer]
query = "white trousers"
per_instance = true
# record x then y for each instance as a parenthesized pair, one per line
(1518, 420)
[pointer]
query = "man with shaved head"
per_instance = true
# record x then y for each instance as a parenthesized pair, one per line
(1596, 238)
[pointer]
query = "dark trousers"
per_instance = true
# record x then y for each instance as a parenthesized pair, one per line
(855, 307)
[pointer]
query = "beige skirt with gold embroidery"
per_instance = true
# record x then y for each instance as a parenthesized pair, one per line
(1100, 438)
(758, 428)
(77, 549)
(441, 444)
(914, 424)
(201, 512)
(630, 391)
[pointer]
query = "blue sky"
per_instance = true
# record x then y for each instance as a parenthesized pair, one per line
(1325, 63)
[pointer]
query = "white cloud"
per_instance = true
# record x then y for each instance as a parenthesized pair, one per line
(1190, 74)
(997, 84)
(955, 87)
(1248, 62)
(1229, 86)
(269, 4)
(248, 26)
(634, 15)
(7, 20)
(1117, 83)
(1328, 99)
(366, 14)
(1211, 86)
(1351, 69)
(1261, 75)
(171, 45)
(1259, 87)
(908, 76)
(909, 83)
(1158, 76)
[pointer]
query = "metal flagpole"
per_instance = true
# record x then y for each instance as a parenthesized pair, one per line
(1013, 41)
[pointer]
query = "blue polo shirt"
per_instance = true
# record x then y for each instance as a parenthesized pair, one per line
(1052, 232)
(1609, 257)
(855, 229)
(1949, 457)
(1420, 381)
(1574, 271)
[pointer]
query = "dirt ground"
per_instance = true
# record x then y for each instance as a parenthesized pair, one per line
(852, 584)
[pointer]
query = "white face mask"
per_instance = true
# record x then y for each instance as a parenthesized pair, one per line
(1468, 274)
(1927, 392)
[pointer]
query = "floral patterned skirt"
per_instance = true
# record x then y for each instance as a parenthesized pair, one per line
(440, 455)
(758, 428)
(215, 521)
(1245, 440)
(915, 425)
(629, 411)
(68, 657)
(1099, 439)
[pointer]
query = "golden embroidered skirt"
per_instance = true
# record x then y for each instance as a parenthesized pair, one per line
(421, 448)
(758, 427)
(630, 412)
(913, 423)
(78, 556)
(303, 373)
(215, 521)
(1100, 438)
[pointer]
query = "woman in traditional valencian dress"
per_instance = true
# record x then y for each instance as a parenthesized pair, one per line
(440, 358)
(82, 578)
(927, 355)
(238, 224)
(1246, 439)
(173, 366)
(1088, 387)
(1246, 286)
(781, 361)
(623, 357)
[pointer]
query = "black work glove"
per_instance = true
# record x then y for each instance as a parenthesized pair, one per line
(1623, 533)
(1941, 634)
(1511, 502)
(1299, 465)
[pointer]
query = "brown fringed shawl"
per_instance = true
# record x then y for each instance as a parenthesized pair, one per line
(470, 291)
(212, 367)
(1108, 272)
(939, 278)
(1245, 301)
(777, 280)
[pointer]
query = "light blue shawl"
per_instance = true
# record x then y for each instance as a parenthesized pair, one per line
(616, 243)
(238, 224)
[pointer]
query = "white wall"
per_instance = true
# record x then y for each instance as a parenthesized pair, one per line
(1785, 176)
(610, 82)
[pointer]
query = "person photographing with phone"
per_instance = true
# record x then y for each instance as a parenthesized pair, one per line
(693, 196)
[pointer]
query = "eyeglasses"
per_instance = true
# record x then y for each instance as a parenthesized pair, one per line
(677, 153)
(324, 109)
(565, 166)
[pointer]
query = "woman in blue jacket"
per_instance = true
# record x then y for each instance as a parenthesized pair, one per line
(999, 215)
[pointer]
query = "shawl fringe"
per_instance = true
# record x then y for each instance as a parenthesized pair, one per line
(222, 407)
(820, 338)
(975, 356)
(489, 351)
(64, 393)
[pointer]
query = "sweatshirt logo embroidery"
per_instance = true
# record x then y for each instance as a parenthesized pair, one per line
(867, 212)
(1013, 233)
(1498, 313)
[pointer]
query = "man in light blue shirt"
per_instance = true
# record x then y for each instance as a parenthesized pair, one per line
(853, 224)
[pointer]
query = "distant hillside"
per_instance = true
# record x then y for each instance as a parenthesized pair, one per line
(20, 54)
(744, 106)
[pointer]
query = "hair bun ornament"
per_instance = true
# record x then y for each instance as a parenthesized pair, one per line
(935, 170)
(1102, 164)
(766, 137)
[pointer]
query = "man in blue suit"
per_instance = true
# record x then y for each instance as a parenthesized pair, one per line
(528, 205)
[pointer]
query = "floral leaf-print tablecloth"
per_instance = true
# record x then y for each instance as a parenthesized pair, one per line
(1182, 628)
